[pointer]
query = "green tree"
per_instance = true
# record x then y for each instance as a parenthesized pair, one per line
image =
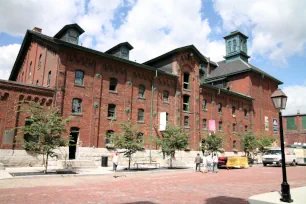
(43, 132)
(129, 139)
(264, 142)
(173, 138)
(248, 143)
(212, 143)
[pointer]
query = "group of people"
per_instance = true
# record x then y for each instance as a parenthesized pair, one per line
(210, 162)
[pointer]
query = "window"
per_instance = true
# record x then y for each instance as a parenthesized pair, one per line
(79, 78)
(140, 115)
(49, 79)
(76, 105)
(28, 137)
(229, 46)
(139, 137)
(304, 122)
(204, 124)
(186, 103)
(234, 144)
(204, 104)
(220, 125)
(166, 96)
(291, 123)
(141, 91)
(233, 110)
(167, 117)
(30, 69)
(186, 121)
(241, 45)
(22, 76)
(186, 80)
(220, 108)
(234, 127)
(235, 45)
(39, 61)
(113, 84)
(245, 128)
(111, 111)
(108, 136)
(245, 113)
(36, 82)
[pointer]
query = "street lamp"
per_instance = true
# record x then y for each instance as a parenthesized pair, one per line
(279, 99)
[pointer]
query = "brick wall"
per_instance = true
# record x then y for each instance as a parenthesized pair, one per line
(297, 135)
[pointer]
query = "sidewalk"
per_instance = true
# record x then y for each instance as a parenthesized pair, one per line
(297, 195)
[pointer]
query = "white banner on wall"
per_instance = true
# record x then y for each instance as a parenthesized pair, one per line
(266, 123)
(162, 121)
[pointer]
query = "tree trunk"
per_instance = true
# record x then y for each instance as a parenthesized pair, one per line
(129, 162)
(46, 165)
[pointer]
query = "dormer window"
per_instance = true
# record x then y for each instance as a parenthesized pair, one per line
(70, 33)
(124, 53)
(73, 37)
(121, 50)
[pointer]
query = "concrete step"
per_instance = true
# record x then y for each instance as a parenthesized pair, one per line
(76, 164)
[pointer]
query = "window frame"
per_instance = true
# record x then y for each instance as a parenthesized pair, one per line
(80, 101)
(111, 111)
(49, 78)
(234, 127)
(186, 124)
(188, 81)
(166, 99)
(204, 123)
(138, 136)
(39, 62)
(140, 115)
(75, 78)
(141, 91)
(113, 82)
(204, 105)
(220, 126)
(186, 104)
(220, 108)
(108, 134)
(233, 110)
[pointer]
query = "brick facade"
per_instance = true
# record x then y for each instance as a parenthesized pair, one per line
(297, 132)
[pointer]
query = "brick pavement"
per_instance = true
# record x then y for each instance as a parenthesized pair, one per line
(228, 186)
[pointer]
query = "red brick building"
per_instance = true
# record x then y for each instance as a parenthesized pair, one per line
(295, 129)
(101, 89)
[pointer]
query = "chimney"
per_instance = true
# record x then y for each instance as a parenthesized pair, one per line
(208, 66)
(298, 112)
(36, 29)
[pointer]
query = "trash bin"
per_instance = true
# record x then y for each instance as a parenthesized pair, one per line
(104, 161)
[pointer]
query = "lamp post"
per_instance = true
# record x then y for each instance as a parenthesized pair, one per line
(279, 100)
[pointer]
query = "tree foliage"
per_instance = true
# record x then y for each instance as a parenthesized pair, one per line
(213, 143)
(43, 132)
(248, 143)
(129, 139)
(264, 143)
(173, 138)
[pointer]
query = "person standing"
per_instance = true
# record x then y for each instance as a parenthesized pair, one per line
(209, 162)
(115, 162)
(215, 163)
(197, 161)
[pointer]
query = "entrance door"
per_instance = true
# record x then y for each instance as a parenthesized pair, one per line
(74, 135)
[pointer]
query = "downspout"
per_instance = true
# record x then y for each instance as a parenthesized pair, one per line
(151, 114)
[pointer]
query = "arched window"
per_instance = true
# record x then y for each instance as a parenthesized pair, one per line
(113, 84)
(204, 104)
(167, 117)
(234, 144)
(204, 124)
(108, 136)
(111, 111)
(140, 115)
(79, 78)
(76, 105)
(220, 108)
(233, 110)
(186, 102)
(30, 69)
(141, 91)
(186, 80)
(245, 113)
(234, 127)
(49, 79)
(220, 125)
(39, 61)
(186, 121)
(166, 96)
(36, 82)
(139, 137)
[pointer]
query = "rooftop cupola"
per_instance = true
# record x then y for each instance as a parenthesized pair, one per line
(121, 50)
(236, 46)
(70, 33)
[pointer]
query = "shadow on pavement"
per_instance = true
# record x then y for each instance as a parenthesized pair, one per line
(225, 200)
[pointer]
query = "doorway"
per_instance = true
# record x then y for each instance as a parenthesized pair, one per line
(74, 135)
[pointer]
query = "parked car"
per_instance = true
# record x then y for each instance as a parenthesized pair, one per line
(274, 156)
(222, 161)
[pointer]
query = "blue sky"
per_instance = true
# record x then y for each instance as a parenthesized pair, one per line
(277, 41)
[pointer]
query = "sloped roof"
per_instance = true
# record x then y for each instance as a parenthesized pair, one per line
(197, 53)
(28, 38)
(235, 67)
(127, 44)
(63, 30)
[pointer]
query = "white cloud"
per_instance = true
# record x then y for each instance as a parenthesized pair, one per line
(296, 99)
(8, 56)
(278, 27)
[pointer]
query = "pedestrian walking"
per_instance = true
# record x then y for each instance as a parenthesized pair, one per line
(209, 162)
(115, 162)
(197, 161)
(215, 163)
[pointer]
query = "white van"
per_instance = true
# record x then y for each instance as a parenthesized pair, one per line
(274, 156)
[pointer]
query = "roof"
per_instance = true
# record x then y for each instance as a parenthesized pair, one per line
(294, 115)
(197, 53)
(66, 27)
(238, 66)
(228, 91)
(128, 45)
(55, 41)
(235, 33)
